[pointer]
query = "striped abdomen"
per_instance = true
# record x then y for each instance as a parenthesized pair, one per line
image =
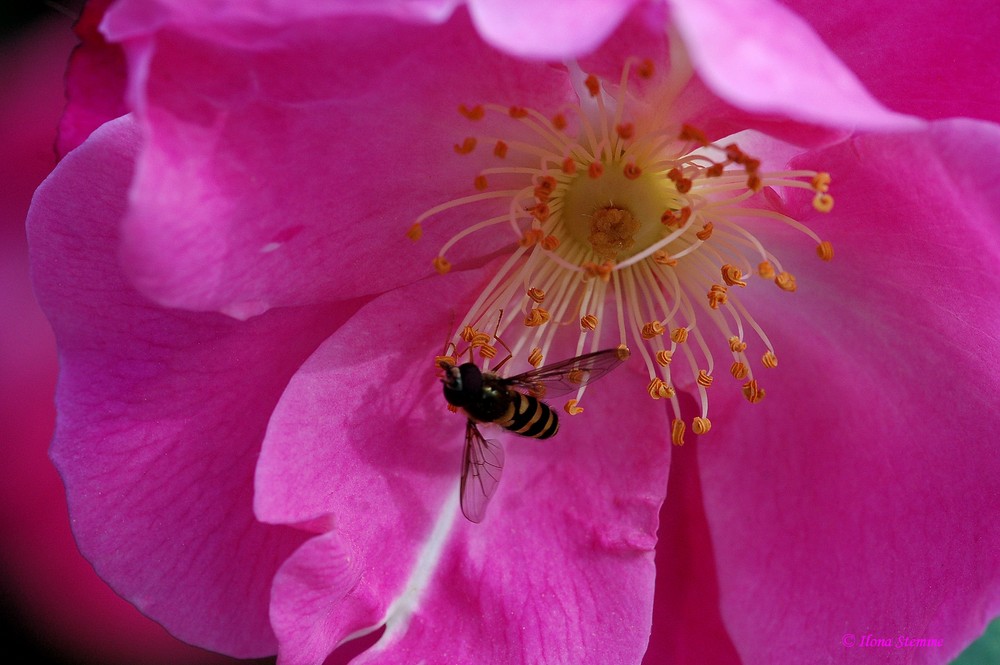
(528, 416)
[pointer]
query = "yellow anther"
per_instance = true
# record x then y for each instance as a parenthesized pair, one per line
(736, 345)
(658, 389)
(700, 425)
(474, 113)
(823, 202)
(825, 250)
(704, 378)
(537, 317)
(535, 357)
(602, 271)
(530, 237)
(652, 329)
(622, 352)
(677, 432)
(468, 334)
(576, 376)
(480, 339)
(821, 182)
(739, 370)
(766, 270)
(631, 171)
(550, 243)
(663, 258)
(706, 231)
(569, 166)
(544, 188)
(717, 296)
(589, 322)
(540, 211)
(442, 361)
(487, 351)
(468, 145)
(664, 358)
(536, 294)
(732, 275)
(692, 133)
(769, 359)
(416, 232)
(679, 335)
(752, 391)
(442, 265)
(786, 281)
(676, 218)
(572, 409)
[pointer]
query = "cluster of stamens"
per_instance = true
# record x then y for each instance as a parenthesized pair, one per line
(631, 231)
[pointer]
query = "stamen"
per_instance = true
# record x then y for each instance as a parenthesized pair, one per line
(825, 250)
(700, 425)
(537, 317)
(535, 357)
(468, 145)
(630, 213)
(442, 265)
(536, 294)
(786, 281)
(474, 113)
(677, 428)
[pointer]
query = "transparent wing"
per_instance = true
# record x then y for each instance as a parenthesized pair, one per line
(568, 375)
(482, 464)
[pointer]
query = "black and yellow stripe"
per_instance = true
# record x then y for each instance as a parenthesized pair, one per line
(528, 416)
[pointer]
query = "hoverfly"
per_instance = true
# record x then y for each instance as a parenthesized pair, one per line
(515, 404)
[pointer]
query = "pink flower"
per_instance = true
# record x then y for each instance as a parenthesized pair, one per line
(285, 477)
(55, 608)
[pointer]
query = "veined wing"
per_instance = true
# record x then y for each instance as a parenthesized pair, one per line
(568, 375)
(482, 464)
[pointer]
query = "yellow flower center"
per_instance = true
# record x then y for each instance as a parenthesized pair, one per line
(635, 230)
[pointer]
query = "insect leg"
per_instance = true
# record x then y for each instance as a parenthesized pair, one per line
(496, 336)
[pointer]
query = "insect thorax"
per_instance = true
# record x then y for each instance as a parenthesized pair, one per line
(490, 401)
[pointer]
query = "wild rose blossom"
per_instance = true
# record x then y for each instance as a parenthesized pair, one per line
(281, 199)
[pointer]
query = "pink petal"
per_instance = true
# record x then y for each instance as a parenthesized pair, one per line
(131, 18)
(160, 415)
(95, 80)
(763, 58)
(555, 30)
(561, 569)
(54, 601)
(356, 443)
(566, 547)
(687, 624)
(859, 497)
(321, 572)
(274, 174)
(931, 59)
